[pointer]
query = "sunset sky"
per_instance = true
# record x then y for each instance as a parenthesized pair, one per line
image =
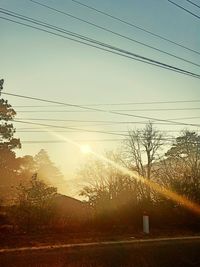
(38, 64)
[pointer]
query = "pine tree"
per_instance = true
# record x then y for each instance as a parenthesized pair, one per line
(8, 162)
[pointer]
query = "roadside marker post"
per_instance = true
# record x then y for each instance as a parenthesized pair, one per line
(145, 223)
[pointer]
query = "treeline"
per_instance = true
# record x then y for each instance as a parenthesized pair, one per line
(113, 199)
(28, 185)
(120, 200)
(15, 170)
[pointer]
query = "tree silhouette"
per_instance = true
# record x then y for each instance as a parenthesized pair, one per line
(182, 165)
(47, 171)
(9, 165)
(141, 151)
(34, 207)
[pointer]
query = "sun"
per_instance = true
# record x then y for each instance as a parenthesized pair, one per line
(85, 149)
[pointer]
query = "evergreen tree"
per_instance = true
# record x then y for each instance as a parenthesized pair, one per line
(183, 165)
(47, 171)
(8, 163)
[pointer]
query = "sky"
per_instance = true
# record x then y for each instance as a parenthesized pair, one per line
(38, 64)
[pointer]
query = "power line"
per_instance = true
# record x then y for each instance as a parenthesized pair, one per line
(74, 129)
(145, 103)
(106, 47)
(132, 25)
(181, 7)
(32, 130)
(116, 104)
(79, 121)
(72, 125)
(156, 119)
(36, 129)
(39, 128)
(113, 32)
(102, 121)
(166, 140)
(50, 101)
(61, 141)
(186, 118)
(157, 109)
(71, 128)
(101, 110)
(83, 140)
(193, 3)
(138, 57)
(49, 128)
(52, 128)
(131, 110)
(66, 127)
(120, 53)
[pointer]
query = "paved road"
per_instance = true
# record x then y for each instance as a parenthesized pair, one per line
(103, 243)
(162, 252)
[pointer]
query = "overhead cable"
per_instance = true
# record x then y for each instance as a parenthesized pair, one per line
(102, 46)
(132, 25)
(131, 110)
(113, 32)
(192, 3)
(116, 104)
(181, 7)
(102, 110)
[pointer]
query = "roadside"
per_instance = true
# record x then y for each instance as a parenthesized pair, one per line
(75, 243)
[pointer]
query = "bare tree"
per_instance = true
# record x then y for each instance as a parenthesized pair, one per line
(141, 151)
(104, 184)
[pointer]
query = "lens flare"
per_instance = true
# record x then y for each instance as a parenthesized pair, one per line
(153, 185)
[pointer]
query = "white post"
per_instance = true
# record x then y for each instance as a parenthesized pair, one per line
(146, 224)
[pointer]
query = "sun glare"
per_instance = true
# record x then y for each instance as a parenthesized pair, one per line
(85, 149)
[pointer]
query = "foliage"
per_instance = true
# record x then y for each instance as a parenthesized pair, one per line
(116, 199)
(34, 205)
(46, 169)
(105, 182)
(9, 164)
(7, 113)
(181, 169)
(111, 193)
